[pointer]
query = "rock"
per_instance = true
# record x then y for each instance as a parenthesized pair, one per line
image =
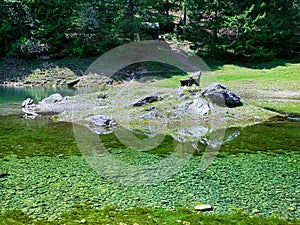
(52, 99)
(196, 107)
(180, 93)
(102, 124)
(102, 121)
(149, 115)
(28, 102)
(29, 114)
(110, 82)
(221, 96)
(204, 207)
(147, 100)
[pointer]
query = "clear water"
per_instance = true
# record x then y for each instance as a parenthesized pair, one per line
(15, 95)
(12, 97)
(41, 166)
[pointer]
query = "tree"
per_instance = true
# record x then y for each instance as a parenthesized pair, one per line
(15, 23)
(251, 29)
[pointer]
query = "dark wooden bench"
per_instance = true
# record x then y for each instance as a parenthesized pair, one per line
(189, 82)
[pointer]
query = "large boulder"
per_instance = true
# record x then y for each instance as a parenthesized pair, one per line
(221, 96)
(52, 99)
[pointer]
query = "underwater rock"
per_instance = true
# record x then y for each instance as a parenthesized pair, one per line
(204, 207)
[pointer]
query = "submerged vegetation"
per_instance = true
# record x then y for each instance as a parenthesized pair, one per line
(44, 178)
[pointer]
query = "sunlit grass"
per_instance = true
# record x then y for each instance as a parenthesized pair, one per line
(255, 83)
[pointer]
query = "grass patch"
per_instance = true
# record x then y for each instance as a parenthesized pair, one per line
(141, 216)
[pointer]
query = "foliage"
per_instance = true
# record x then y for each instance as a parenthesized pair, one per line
(15, 23)
(28, 48)
(251, 29)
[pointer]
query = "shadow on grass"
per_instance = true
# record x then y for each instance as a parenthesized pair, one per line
(218, 64)
(16, 69)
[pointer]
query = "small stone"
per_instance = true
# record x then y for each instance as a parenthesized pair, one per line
(204, 207)
(186, 223)
(149, 115)
(255, 211)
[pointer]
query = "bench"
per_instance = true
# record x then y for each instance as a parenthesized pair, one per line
(189, 82)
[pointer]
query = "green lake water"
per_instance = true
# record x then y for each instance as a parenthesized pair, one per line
(43, 173)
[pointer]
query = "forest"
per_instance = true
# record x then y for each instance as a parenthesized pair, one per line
(250, 29)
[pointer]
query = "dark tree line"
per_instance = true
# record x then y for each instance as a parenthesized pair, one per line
(229, 28)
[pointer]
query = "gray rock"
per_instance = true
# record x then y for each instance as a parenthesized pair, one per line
(52, 99)
(102, 121)
(149, 115)
(101, 124)
(196, 107)
(147, 100)
(221, 96)
(28, 102)
(29, 114)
